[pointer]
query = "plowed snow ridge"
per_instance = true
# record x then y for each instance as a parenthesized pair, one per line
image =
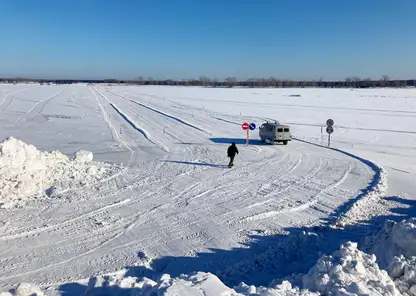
(133, 124)
(161, 113)
(170, 116)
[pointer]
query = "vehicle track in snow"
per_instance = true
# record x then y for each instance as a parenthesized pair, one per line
(38, 107)
(107, 121)
(183, 201)
(7, 98)
(175, 118)
(312, 201)
(133, 124)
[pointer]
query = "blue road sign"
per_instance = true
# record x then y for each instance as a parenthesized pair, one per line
(252, 126)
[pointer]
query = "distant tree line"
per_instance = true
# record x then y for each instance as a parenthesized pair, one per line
(349, 82)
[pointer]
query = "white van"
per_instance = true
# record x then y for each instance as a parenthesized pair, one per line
(275, 133)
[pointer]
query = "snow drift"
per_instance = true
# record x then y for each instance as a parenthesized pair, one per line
(395, 246)
(27, 173)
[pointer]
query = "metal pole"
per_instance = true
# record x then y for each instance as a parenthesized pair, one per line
(329, 140)
(248, 136)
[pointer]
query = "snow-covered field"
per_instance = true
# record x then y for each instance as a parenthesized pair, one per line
(157, 197)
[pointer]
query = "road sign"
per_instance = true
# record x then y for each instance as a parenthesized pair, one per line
(252, 126)
(244, 126)
(329, 129)
(329, 122)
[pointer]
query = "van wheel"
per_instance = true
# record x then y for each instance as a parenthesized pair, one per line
(284, 142)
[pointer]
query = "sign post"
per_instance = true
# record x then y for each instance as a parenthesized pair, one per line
(248, 127)
(329, 130)
(251, 127)
(248, 138)
(244, 126)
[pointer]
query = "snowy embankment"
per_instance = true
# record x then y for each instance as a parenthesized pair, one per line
(29, 174)
(346, 272)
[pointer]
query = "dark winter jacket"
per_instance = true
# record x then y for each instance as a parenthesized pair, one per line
(232, 150)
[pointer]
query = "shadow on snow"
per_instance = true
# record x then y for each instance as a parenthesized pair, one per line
(197, 163)
(259, 261)
(238, 141)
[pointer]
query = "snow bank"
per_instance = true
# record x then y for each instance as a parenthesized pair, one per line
(27, 173)
(349, 271)
(196, 284)
(395, 246)
(394, 239)
(284, 289)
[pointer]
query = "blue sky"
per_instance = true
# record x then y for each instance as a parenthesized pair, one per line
(304, 39)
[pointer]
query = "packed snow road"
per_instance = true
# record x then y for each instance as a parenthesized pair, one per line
(173, 196)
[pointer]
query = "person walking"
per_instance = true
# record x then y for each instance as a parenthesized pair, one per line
(231, 152)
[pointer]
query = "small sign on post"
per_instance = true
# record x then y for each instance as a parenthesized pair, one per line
(244, 126)
(329, 122)
(329, 130)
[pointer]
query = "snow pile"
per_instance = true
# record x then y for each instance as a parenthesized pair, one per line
(197, 284)
(395, 246)
(27, 173)
(349, 271)
(24, 289)
(284, 289)
(83, 156)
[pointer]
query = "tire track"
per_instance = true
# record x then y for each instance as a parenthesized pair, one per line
(41, 103)
(314, 200)
(8, 96)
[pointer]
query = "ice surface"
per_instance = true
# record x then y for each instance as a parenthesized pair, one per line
(81, 213)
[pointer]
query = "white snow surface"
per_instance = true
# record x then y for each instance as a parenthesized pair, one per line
(159, 184)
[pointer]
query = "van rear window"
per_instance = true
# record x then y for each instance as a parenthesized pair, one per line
(286, 130)
(280, 130)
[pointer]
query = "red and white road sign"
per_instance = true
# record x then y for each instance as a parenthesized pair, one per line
(244, 126)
